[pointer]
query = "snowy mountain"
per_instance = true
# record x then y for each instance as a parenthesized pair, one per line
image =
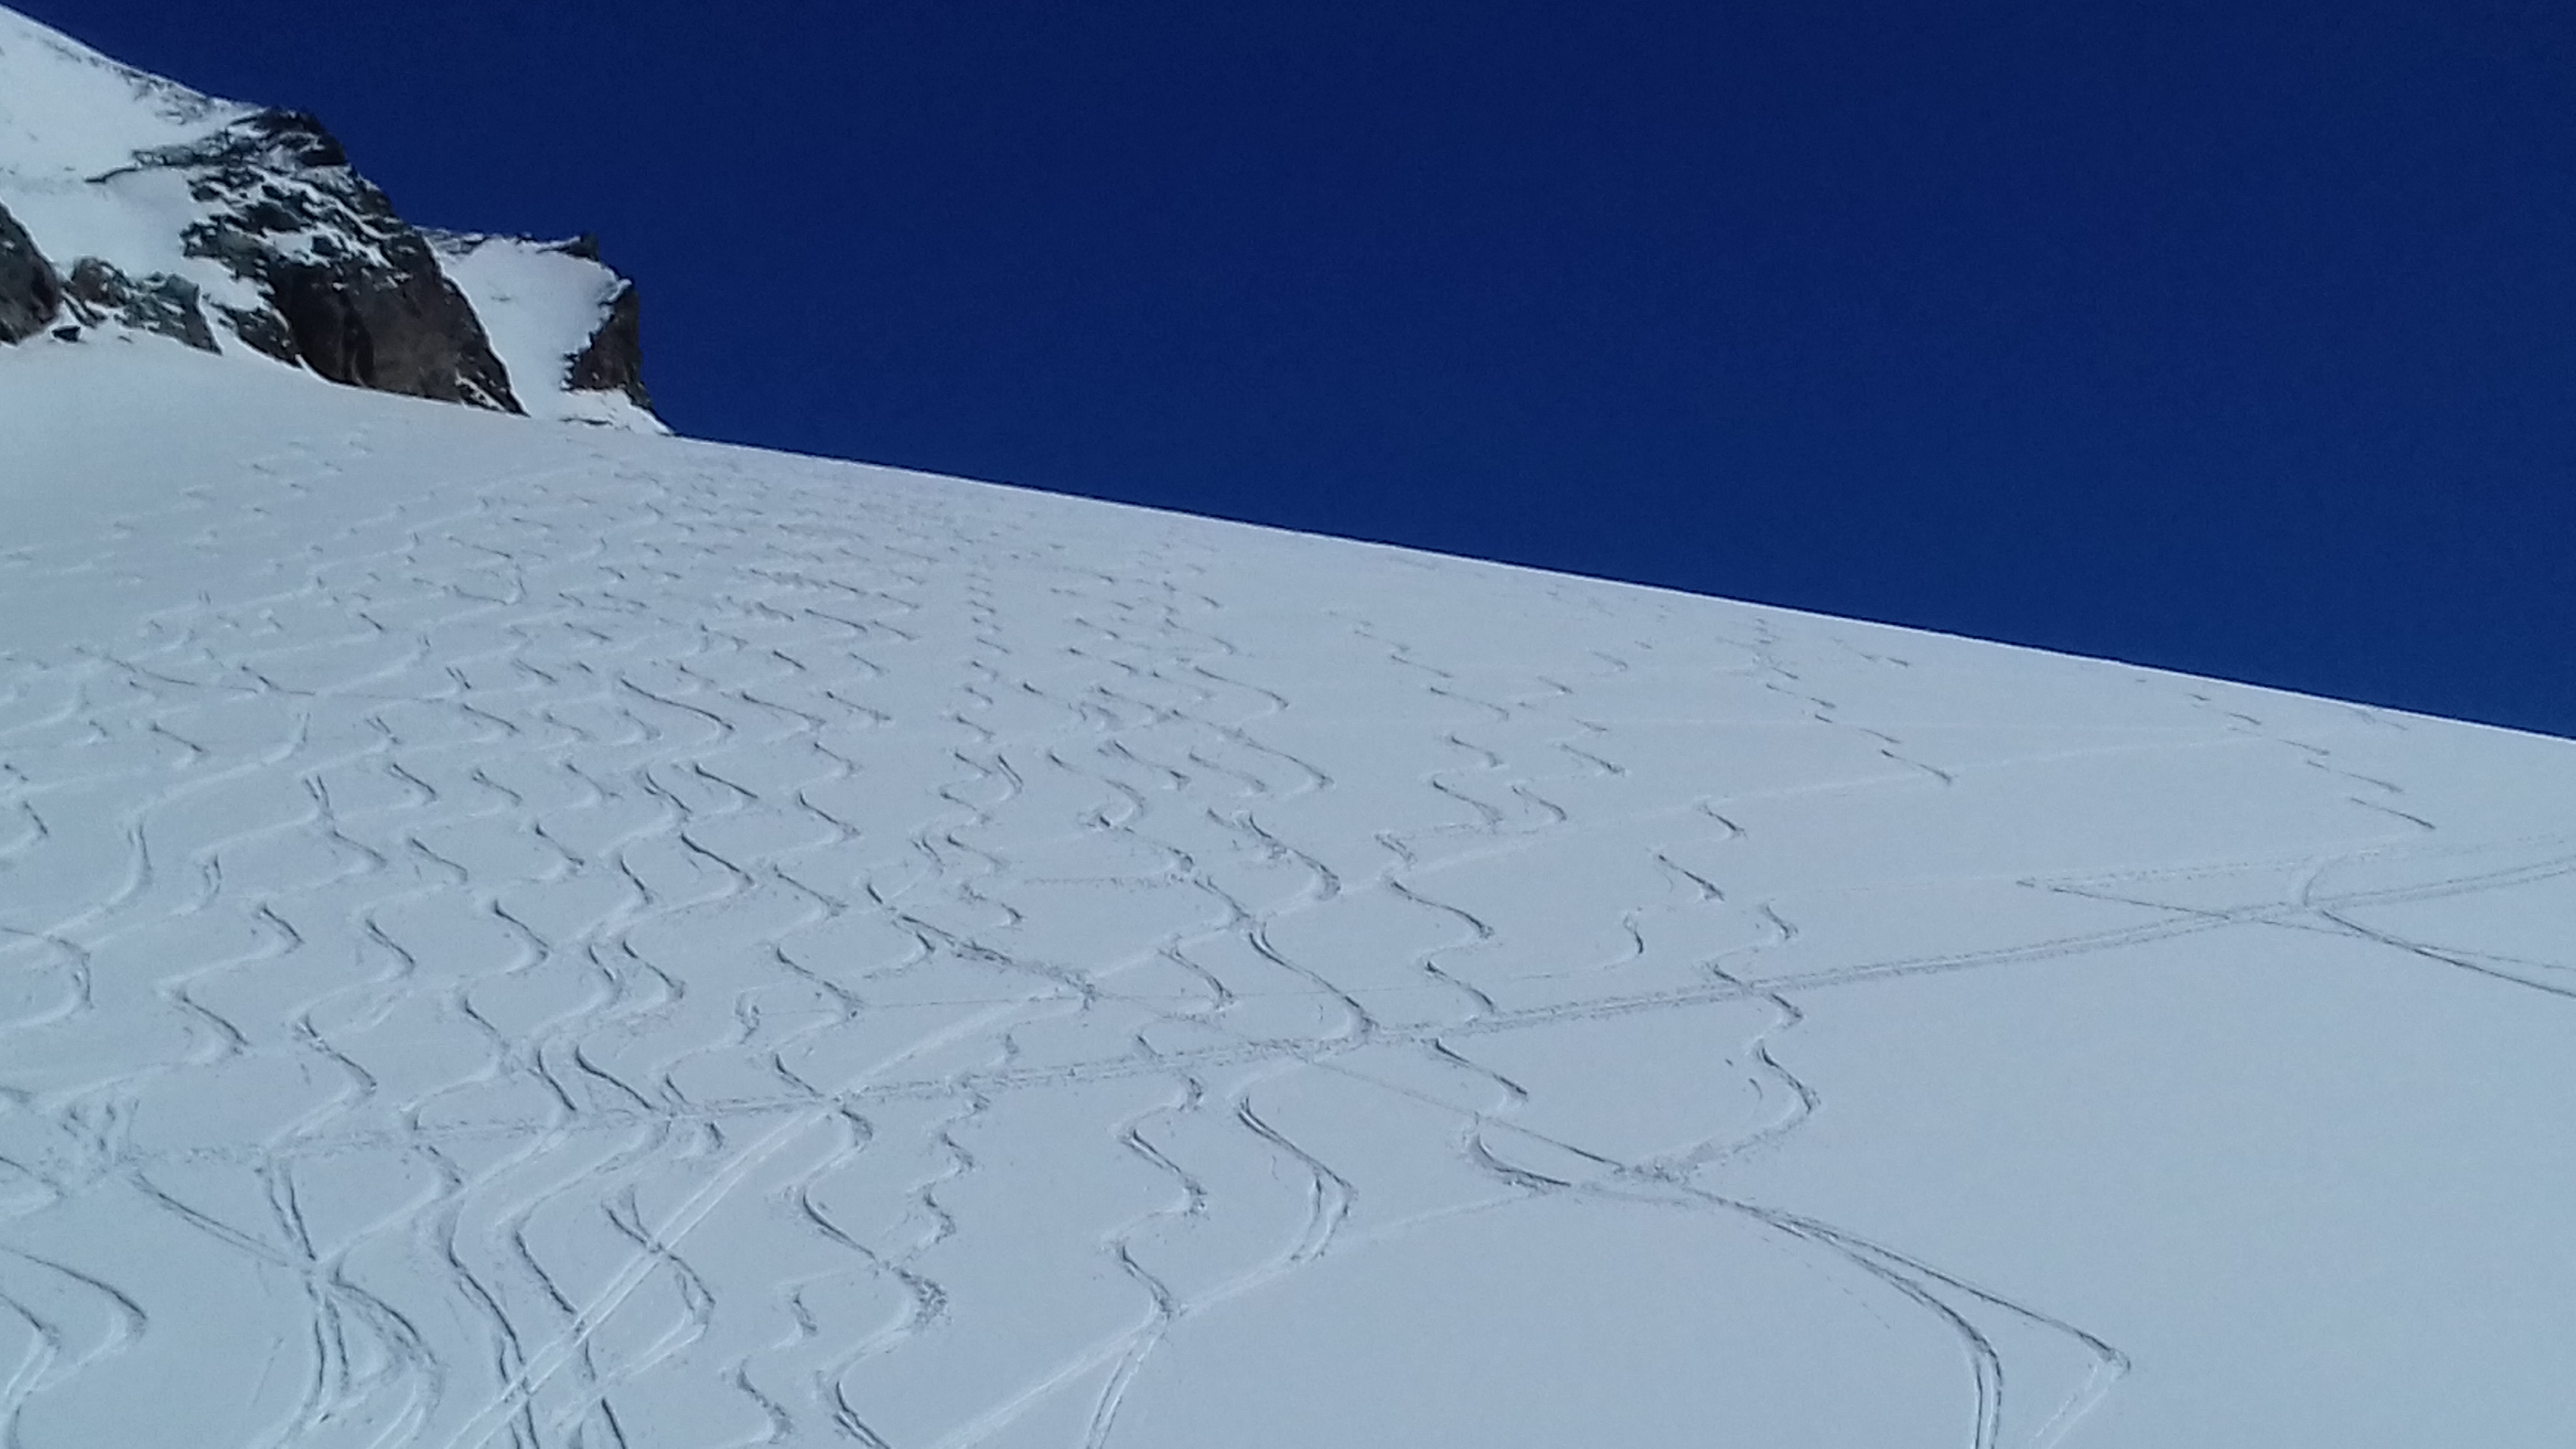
(130, 205)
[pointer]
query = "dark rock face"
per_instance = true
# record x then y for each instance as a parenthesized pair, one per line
(30, 293)
(354, 291)
(403, 330)
(163, 304)
(614, 360)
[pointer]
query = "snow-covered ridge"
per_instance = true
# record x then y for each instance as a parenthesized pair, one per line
(134, 206)
(68, 113)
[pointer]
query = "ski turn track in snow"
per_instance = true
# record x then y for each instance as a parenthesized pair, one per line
(516, 936)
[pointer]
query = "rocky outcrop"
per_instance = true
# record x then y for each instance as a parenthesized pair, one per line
(242, 230)
(353, 291)
(31, 295)
(614, 360)
(167, 305)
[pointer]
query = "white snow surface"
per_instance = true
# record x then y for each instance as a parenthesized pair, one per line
(524, 936)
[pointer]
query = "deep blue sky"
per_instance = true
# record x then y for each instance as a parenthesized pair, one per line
(2233, 337)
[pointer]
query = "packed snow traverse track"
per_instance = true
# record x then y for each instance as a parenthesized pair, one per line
(513, 934)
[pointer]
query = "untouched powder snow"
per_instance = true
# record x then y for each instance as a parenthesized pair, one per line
(522, 936)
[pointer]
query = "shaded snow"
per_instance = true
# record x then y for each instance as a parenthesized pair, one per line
(546, 937)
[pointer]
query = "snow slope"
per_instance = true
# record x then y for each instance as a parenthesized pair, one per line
(68, 113)
(522, 936)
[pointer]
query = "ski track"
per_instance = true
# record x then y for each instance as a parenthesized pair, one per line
(565, 877)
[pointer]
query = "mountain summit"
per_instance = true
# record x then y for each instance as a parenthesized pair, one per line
(132, 205)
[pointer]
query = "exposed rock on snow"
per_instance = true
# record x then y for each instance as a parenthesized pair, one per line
(614, 360)
(233, 228)
(350, 288)
(160, 304)
(29, 291)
